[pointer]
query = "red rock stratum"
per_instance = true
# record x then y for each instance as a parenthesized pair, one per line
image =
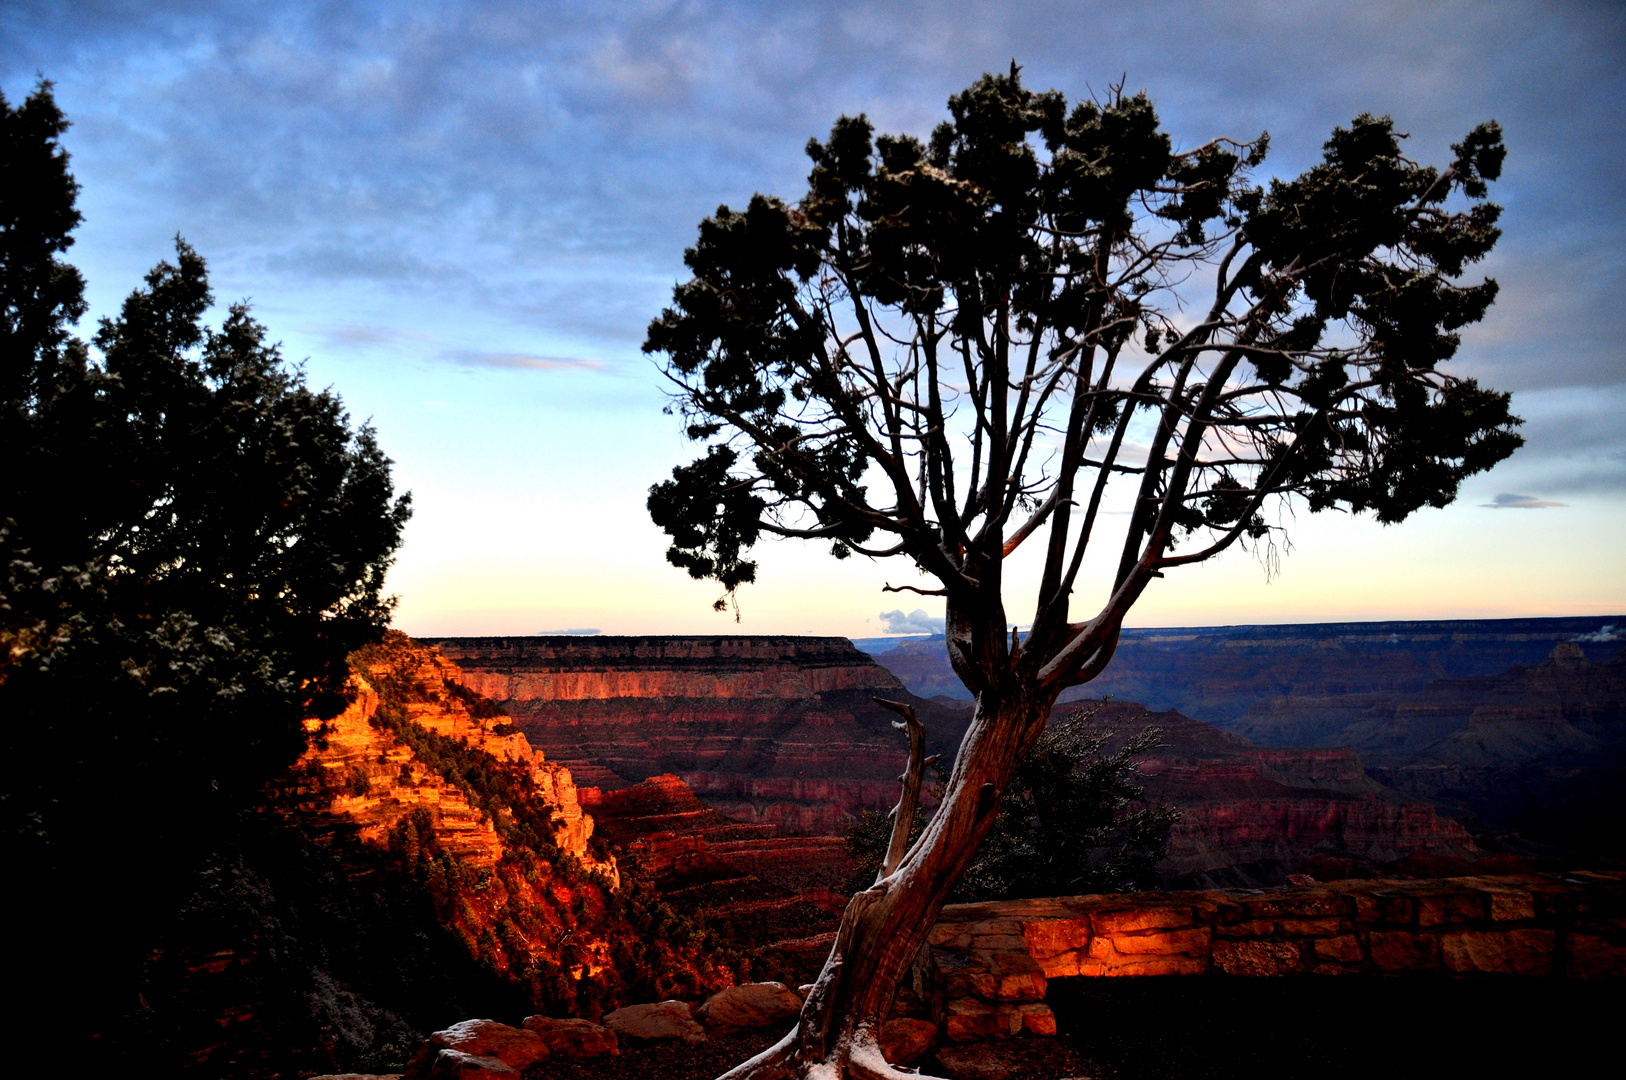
(779, 730)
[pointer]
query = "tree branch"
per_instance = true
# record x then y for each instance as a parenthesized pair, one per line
(903, 815)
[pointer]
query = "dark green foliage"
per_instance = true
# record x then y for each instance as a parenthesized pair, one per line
(334, 962)
(1073, 820)
(40, 295)
(867, 837)
(875, 361)
(192, 541)
(1369, 241)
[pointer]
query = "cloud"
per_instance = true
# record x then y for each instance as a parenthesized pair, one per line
(362, 335)
(576, 632)
(1507, 501)
(1602, 634)
(544, 163)
(916, 622)
(526, 361)
(466, 144)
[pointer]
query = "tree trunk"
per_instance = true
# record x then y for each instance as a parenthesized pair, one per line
(885, 926)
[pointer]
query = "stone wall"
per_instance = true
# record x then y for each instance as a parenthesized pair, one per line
(994, 960)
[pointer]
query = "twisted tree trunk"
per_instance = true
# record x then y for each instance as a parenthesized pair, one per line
(885, 927)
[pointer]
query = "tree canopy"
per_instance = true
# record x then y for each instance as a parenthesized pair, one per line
(192, 540)
(947, 347)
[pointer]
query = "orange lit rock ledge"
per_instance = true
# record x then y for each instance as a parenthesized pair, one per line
(993, 960)
(388, 781)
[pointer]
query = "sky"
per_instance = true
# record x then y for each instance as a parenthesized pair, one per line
(462, 216)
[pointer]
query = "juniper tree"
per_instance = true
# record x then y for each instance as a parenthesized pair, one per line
(192, 541)
(947, 349)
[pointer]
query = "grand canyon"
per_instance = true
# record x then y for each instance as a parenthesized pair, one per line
(723, 771)
(577, 826)
(784, 731)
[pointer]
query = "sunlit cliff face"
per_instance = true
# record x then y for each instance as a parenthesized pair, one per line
(383, 780)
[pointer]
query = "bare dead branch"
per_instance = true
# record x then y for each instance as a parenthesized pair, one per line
(903, 815)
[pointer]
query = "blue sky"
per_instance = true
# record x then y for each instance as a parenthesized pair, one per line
(464, 215)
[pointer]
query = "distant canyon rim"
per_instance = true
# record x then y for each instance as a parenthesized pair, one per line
(1262, 727)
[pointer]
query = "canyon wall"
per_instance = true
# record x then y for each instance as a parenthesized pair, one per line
(374, 779)
(401, 770)
(1251, 815)
(420, 858)
(1219, 673)
(1533, 758)
(598, 668)
(495, 835)
(776, 894)
(772, 730)
(1514, 727)
(791, 737)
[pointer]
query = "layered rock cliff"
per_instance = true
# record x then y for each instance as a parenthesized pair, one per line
(600, 668)
(1221, 674)
(1510, 726)
(1252, 815)
(778, 896)
(437, 775)
(374, 777)
(774, 730)
(1538, 751)
(421, 858)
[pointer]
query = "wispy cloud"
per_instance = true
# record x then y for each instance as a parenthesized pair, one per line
(476, 358)
(362, 335)
(1507, 501)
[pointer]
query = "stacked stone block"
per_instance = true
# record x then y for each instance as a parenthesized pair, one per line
(994, 960)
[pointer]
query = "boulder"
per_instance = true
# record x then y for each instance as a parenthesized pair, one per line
(754, 1005)
(456, 1065)
(656, 1022)
(905, 1040)
(574, 1038)
(512, 1048)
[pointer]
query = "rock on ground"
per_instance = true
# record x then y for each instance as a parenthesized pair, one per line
(656, 1022)
(511, 1048)
(456, 1065)
(574, 1038)
(754, 1005)
(905, 1040)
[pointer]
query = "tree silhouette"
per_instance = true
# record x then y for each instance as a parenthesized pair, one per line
(948, 349)
(192, 541)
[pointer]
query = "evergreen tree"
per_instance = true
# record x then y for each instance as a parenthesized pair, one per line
(948, 348)
(192, 541)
